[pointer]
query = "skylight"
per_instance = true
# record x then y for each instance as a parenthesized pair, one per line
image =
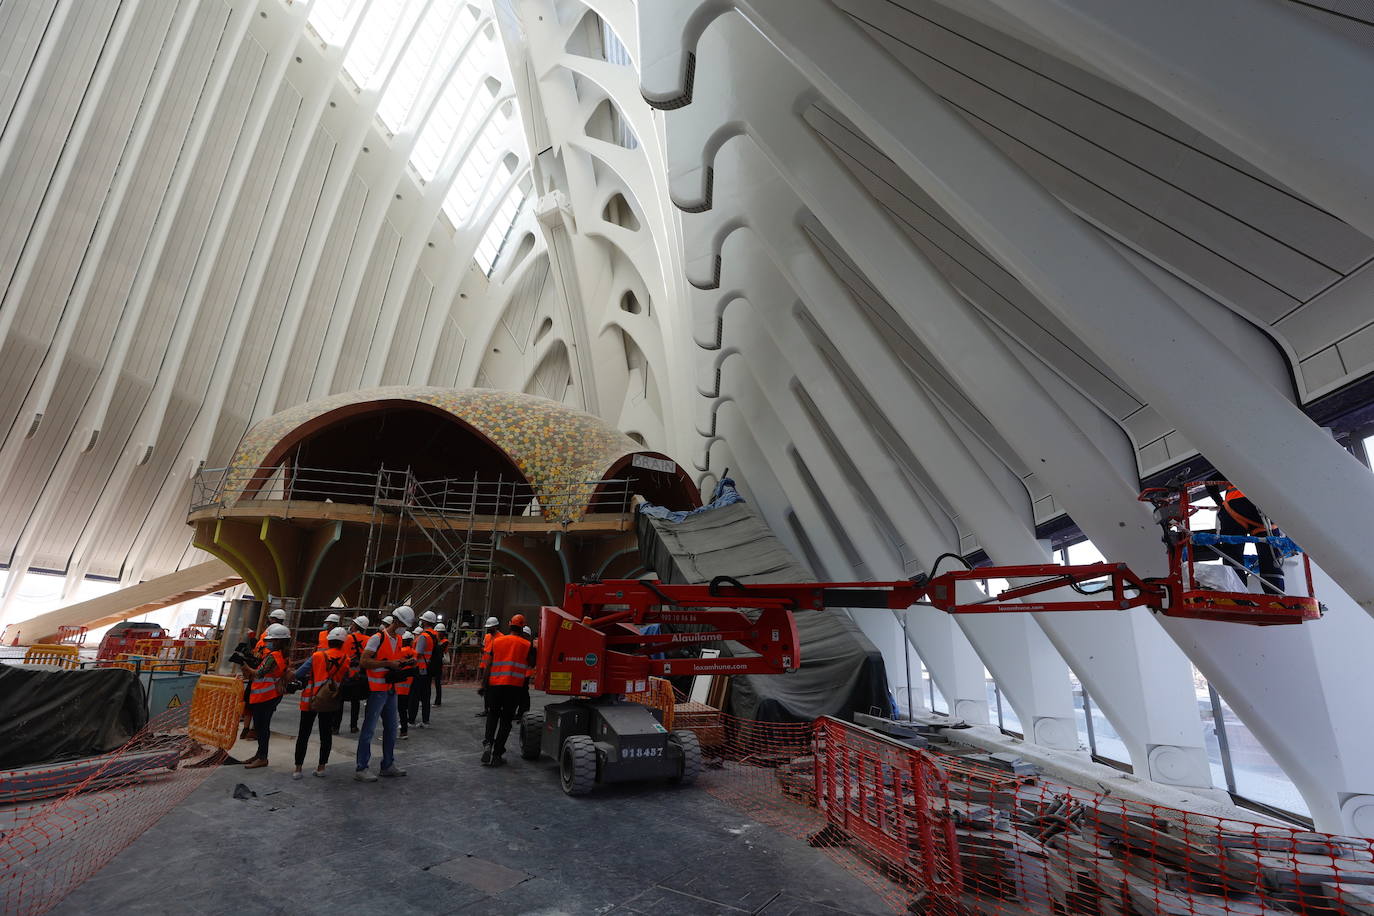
(494, 241)
(431, 61)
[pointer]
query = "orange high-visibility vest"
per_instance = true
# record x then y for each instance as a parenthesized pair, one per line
(508, 659)
(1253, 526)
(329, 665)
(403, 688)
(387, 649)
(431, 640)
(324, 638)
(267, 681)
(353, 646)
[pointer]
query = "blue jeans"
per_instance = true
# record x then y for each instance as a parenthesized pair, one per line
(381, 705)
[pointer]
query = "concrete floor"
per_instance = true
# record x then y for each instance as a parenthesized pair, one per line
(453, 837)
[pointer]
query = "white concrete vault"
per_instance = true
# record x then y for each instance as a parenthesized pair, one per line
(925, 276)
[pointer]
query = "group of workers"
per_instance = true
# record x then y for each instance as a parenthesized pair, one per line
(393, 669)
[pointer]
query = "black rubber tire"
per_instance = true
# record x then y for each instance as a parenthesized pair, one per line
(691, 757)
(531, 736)
(577, 765)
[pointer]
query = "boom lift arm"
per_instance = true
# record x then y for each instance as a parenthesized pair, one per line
(593, 646)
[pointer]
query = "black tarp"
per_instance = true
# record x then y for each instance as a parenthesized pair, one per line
(841, 671)
(47, 715)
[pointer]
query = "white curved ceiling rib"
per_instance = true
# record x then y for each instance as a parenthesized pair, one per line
(216, 209)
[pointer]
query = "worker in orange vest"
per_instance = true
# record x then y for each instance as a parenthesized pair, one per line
(493, 629)
(426, 641)
(506, 665)
(385, 666)
(322, 667)
(353, 651)
(403, 687)
(1237, 515)
(525, 690)
(278, 616)
(265, 688)
(330, 623)
(436, 664)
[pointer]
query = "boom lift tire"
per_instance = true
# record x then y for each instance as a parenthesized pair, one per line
(531, 734)
(577, 765)
(691, 757)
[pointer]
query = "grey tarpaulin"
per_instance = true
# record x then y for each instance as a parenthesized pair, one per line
(841, 671)
(50, 715)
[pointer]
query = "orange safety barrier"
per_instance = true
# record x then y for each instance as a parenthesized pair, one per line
(204, 650)
(71, 635)
(216, 708)
(658, 694)
(945, 830)
(53, 654)
(84, 813)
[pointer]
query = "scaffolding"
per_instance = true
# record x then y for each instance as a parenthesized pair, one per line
(426, 539)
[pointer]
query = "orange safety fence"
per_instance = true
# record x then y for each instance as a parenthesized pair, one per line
(53, 654)
(71, 635)
(947, 830)
(658, 694)
(61, 823)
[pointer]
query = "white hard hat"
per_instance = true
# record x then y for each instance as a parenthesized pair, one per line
(493, 622)
(429, 617)
(338, 634)
(332, 618)
(440, 628)
(406, 636)
(278, 614)
(528, 631)
(362, 622)
(276, 631)
(405, 614)
(388, 620)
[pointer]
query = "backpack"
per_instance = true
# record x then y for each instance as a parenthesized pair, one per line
(329, 696)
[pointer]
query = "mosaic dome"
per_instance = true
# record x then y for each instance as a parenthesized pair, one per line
(553, 445)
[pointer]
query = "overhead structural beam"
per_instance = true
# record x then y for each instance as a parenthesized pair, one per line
(1264, 80)
(164, 591)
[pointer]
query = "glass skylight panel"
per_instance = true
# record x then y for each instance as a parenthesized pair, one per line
(331, 19)
(381, 34)
(431, 53)
(445, 125)
(498, 230)
(476, 170)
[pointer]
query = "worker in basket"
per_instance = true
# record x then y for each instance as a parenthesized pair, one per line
(1238, 516)
(330, 623)
(505, 665)
(321, 676)
(266, 687)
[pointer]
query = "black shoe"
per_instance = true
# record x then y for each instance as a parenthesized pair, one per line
(486, 755)
(352, 729)
(437, 703)
(498, 760)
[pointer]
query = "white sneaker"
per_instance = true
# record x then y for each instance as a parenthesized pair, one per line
(364, 776)
(297, 774)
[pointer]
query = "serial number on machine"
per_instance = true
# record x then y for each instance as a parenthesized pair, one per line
(641, 752)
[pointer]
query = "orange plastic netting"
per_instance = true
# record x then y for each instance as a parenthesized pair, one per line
(946, 830)
(60, 824)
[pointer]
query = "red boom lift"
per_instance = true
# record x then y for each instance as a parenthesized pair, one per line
(592, 649)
